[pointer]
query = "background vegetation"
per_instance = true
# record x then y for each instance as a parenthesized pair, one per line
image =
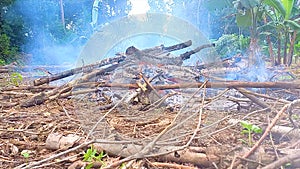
(33, 26)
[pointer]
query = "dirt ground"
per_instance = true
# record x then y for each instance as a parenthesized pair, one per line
(209, 125)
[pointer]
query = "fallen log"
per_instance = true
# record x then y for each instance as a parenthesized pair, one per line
(74, 71)
(67, 90)
(230, 84)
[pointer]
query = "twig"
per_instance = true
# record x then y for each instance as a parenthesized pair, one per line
(33, 164)
(110, 110)
(58, 161)
(252, 98)
(286, 159)
(169, 165)
(143, 153)
(268, 129)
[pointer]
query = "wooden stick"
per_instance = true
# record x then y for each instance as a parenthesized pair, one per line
(188, 54)
(74, 71)
(178, 46)
(229, 84)
(285, 108)
(252, 98)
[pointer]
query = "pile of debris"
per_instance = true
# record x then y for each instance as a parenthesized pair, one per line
(147, 104)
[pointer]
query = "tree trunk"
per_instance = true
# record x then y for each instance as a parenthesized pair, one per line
(291, 51)
(279, 50)
(286, 35)
(270, 45)
(253, 52)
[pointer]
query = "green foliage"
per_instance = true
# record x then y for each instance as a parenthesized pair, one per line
(288, 6)
(245, 4)
(249, 129)
(15, 78)
(8, 53)
(231, 44)
(91, 155)
(2, 62)
(244, 19)
(25, 154)
(277, 5)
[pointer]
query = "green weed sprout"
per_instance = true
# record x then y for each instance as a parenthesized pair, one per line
(91, 156)
(25, 154)
(249, 129)
(16, 78)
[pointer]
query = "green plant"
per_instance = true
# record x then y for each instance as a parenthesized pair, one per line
(26, 154)
(15, 78)
(2, 62)
(249, 129)
(91, 156)
(230, 44)
(123, 165)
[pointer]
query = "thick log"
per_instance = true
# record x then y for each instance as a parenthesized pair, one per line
(230, 84)
(74, 71)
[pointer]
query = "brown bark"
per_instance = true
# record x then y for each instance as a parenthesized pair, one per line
(74, 71)
(279, 50)
(270, 45)
(291, 51)
(229, 84)
(285, 48)
(188, 54)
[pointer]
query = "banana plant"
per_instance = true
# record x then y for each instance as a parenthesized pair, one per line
(284, 25)
(249, 14)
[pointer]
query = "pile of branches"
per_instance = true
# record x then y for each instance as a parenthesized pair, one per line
(95, 77)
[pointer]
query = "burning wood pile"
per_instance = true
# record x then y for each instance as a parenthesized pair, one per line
(147, 104)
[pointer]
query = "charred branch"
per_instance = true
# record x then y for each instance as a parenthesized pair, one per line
(188, 54)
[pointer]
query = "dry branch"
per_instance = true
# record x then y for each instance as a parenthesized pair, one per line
(188, 54)
(280, 162)
(247, 94)
(287, 108)
(74, 71)
(178, 46)
(230, 84)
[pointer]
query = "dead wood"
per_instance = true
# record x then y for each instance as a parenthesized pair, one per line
(74, 71)
(247, 94)
(159, 50)
(285, 131)
(229, 84)
(171, 165)
(148, 52)
(204, 158)
(287, 108)
(188, 54)
(30, 88)
(5, 70)
(66, 91)
(178, 46)
(280, 162)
